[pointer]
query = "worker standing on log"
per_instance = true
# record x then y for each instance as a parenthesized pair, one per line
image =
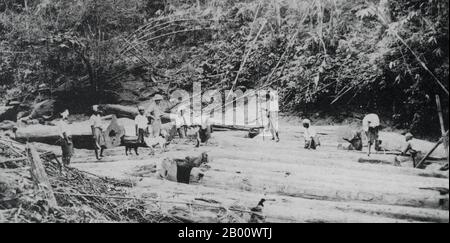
(97, 132)
(180, 117)
(273, 115)
(371, 126)
(141, 122)
(65, 138)
(155, 113)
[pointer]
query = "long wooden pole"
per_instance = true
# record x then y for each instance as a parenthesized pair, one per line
(432, 150)
(441, 121)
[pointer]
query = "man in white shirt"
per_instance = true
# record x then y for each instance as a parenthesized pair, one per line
(183, 118)
(408, 152)
(371, 126)
(310, 135)
(273, 115)
(97, 132)
(155, 113)
(141, 123)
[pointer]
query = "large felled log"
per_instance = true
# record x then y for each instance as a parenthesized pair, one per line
(120, 110)
(311, 186)
(81, 133)
(234, 127)
(82, 137)
(318, 181)
(114, 133)
(283, 208)
(131, 112)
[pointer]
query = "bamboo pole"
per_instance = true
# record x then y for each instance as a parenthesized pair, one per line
(246, 57)
(385, 22)
(432, 150)
(441, 121)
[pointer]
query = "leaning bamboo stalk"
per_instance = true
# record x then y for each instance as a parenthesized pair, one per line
(131, 45)
(441, 121)
(422, 63)
(246, 57)
(178, 32)
(146, 28)
(441, 140)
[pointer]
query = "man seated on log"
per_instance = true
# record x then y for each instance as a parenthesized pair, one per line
(371, 126)
(65, 138)
(408, 153)
(310, 135)
(97, 132)
(141, 123)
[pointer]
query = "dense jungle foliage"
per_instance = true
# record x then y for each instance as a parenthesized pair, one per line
(328, 56)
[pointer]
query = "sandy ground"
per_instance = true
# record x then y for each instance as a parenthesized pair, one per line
(327, 185)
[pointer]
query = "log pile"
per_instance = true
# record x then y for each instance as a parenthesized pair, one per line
(82, 133)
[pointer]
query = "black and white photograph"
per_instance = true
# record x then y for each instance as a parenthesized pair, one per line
(248, 113)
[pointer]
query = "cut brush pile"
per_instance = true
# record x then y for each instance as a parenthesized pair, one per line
(80, 196)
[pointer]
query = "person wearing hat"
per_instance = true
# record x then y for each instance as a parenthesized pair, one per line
(180, 116)
(155, 113)
(97, 132)
(65, 138)
(408, 152)
(310, 135)
(141, 123)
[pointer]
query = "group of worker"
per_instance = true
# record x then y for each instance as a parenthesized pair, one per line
(148, 125)
(154, 114)
(371, 127)
(66, 140)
